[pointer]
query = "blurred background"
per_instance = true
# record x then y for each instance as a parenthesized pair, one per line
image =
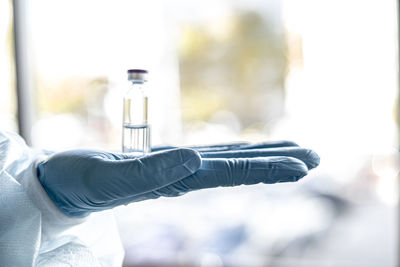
(321, 73)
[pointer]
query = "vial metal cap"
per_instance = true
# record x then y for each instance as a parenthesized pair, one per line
(137, 75)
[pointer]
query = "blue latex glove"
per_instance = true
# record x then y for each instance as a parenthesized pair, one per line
(84, 181)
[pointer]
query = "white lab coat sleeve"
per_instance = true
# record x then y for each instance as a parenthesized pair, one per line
(33, 231)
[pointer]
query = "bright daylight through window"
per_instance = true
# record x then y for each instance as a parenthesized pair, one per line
(323, 74)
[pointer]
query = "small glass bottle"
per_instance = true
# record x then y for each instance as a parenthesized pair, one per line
(135, 127)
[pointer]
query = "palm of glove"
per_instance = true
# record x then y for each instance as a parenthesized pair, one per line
(83, 181)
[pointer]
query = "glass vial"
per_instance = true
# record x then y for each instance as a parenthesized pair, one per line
(135, 126)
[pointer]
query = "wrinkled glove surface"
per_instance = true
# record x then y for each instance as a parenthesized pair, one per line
(83, 181)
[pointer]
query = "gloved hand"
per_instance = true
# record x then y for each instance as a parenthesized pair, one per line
(84, 181)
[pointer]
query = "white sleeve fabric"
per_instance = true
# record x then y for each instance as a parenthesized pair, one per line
(33, 231)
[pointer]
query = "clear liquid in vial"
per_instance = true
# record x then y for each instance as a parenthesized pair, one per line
(136, 139)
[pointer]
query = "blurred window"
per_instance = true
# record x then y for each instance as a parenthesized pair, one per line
(232, 70)
(82, 51)
(321, 73)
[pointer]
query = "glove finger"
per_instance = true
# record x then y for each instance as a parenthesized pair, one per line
(230, 172)
(243, 145)
(234, 146)
(162, 148)
(309, 157)
(128, 177)
(218, 147)
(270, 144)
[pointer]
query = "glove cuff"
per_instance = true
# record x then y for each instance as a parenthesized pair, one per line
(53, 219)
